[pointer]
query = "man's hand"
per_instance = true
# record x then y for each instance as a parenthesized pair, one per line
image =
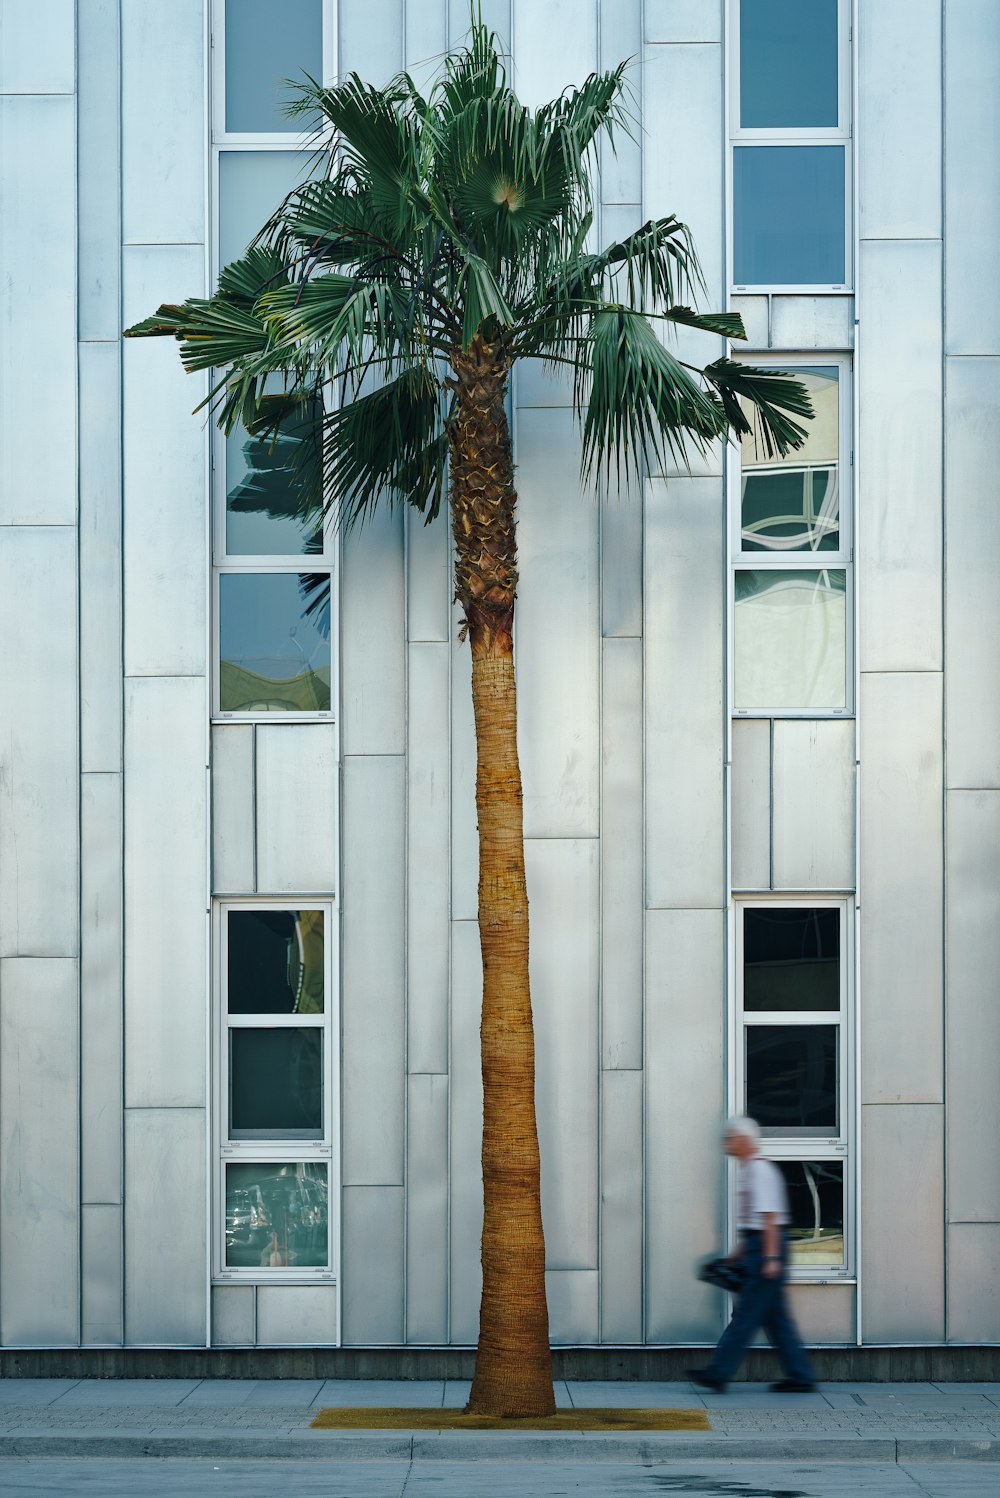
(771, 1269)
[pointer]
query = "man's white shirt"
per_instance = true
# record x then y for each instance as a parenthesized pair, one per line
(760, 1189)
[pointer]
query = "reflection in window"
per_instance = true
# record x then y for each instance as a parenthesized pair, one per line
(788, 64)
(791, 958)
(793, 503)
(816, 1205)
(276, 1083)
(792, 1079)
(267, 42)
(791, 639)
(277, 1216)
(275, 962)
(274, 642)
(263, 500)
(251, 186)
(788, 215)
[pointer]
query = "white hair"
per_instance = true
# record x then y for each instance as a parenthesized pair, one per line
(747, 1128)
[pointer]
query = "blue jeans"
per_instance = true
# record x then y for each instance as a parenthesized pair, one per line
(761, 1303)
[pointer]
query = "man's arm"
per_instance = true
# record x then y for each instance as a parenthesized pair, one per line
(771, 1267)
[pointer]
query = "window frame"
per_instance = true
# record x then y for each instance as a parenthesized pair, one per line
(255, 139)
(841, 560)
(788, 1148)
(228, 1151)
(791, 135)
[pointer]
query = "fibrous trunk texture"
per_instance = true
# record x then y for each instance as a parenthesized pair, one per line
(513, 1374)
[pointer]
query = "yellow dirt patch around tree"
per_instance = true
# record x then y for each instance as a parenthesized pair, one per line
(439, 1419)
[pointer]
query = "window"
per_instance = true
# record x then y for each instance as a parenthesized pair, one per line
(793, 1069)
(790, 128)
(275, 1099)
(791, 542)
(275, 566)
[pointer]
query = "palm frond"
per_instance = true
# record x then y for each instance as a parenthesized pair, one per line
(388, 444)
(773, 394)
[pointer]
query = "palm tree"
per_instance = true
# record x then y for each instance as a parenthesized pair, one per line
(444, 239)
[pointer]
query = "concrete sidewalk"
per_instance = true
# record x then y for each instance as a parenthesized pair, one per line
(225, 1419)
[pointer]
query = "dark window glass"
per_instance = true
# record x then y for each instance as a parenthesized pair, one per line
(268, 41)
(274, 642)
(264, 514)
(277, 1216)
(788, 63)
(816, 1205)
(276, 1083)
(275, 962)
(788, 214)
(792, 1079)
(791, 958)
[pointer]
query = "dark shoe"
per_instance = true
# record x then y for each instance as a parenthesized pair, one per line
(705, 1380)
(792, 1386)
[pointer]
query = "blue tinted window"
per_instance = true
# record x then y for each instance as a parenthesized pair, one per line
(275, 642)
(251, 186)
(267, 42)
(788, 215)
(788, 63)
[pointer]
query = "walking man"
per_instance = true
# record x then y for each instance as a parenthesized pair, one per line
(761, 1219)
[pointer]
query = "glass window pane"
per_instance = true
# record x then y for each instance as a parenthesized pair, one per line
(816, 1206)
(793, 503)
(251, 186)
(276, 1083)
(792, 1079)
(275, 962)
(274, 642)
(267, 42)
(788, 63)
(263, 499)
(791, 958)
(791, 639)
(788, 215)
(277, 1216)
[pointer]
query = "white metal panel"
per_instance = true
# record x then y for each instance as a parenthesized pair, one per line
(621, 560)
(233, 1319)
(39, 868)
(972, 196)
(621, 1206)
(683, 687)
(564, 893)
(683, 20)
(814, 804)
(428, 844)
(164, 454)
(824, 1314)
(496, 17)
(756, 320)
(427, 1209)
(804, 322)
(233, 809)
(374, 1033)
(899, 119)
(558, 631)
(555, 47)
(101, 988)
(100, 557)
(426, 39)
(296, 1315)
(620, 40)
(901, 884)
(373, 649)
(101, 1277)
(165, 1251)
(38, 47)
(537, 385)
(38, 254)
(371, 38)
(428, 577)
(99, 170)
(685, 1104)
(899, 505)
(750, 813)
(296, 777)
(372, 1293)
(972, 613)
(466, 1218)
(621, 855)
(973, 1284)
(902, 1203)
(973, 1043)
(163, 123)
(619, 220)
(572, 1296)
(39, 1146)
(165, 926)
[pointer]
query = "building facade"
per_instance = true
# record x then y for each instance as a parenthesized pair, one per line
(758, 702)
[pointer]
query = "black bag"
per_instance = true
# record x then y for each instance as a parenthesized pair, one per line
(725, 1274)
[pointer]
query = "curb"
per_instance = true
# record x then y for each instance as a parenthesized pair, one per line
(479, 1447)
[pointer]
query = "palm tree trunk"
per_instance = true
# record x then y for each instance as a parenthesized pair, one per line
(513, 1374)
